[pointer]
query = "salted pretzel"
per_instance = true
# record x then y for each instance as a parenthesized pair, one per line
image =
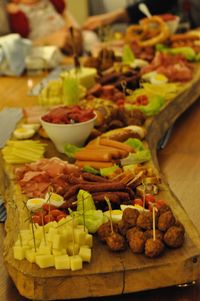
(149, 32)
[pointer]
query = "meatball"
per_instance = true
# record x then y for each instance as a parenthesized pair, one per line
(105, 230)
(116, 242)
(179, 225)
(174, 237)
(123, 227)
(130, 216)
(137, 242)
(145, 220)
(131, 231)
(154, 248)
(149, 234)
(164, 208)
(165, 221)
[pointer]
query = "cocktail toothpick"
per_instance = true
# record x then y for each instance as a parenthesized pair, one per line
(110, 212)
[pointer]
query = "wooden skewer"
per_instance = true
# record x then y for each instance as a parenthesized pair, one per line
(110, 213)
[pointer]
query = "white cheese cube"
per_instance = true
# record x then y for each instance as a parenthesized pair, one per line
(85, 253)
(62, 262)
(76, 263)
(44, 261)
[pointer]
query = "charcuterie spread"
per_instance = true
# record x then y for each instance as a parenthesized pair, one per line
(106, 194)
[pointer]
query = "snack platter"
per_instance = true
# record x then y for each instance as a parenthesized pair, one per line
(108, 273)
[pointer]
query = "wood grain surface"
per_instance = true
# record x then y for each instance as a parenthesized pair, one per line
(9, 292)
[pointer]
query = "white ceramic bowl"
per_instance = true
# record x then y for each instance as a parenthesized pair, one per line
(61, 134)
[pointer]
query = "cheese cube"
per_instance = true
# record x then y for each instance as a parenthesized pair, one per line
(32, 243)
(86, 76)
(85, 253)
(26, 234)
(44, 261)
(50, 225)
(39, 233)
(81, 227)
(44, 250)
(62, 262)
(30, 255)
(62, 223)
(59, 242)
(76, 263)
(19, 252)
(58, 252)
(89, 240)
(52, 233)
(72, 249)
(21, 243)
(79, 236)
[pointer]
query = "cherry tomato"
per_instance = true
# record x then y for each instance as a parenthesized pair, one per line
(56, 212)
(120, 102)
(160, 203)
(48, 218)
(36, 219)
(59, 217)
(149, 198)
(141, 100)
(40, 213)
(138, 202)
(48, 207)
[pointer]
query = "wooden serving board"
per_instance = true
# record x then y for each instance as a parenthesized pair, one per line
(108, 273)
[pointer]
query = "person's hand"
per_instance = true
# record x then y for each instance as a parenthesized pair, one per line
(95, 22)
(12, 8)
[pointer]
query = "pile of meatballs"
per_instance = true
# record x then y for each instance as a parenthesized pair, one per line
(136, 230)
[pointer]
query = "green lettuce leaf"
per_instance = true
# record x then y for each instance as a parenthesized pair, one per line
(93, 219)
(85, 200)
(135, 143)
(108, 170)
(139, 157)
(90, 169)
(128, 56)
(155, 104)
(70, 150)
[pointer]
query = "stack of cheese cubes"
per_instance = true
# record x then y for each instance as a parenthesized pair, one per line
(64, 245)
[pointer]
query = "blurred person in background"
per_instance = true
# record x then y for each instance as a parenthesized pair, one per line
(4, 25)
(46, 22)
(131, 14)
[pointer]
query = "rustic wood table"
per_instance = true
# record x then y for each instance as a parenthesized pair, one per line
(179, 162)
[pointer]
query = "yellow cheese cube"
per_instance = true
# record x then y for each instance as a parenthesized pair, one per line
(85, 253)
(62, 262)
(86, 76)
(81, 227)
(79, 236)
(62, 223)
(89, 240)
(58, 252)
(26, 234)
(50, 225)
(52, 233)
(30, 255)
(21, 243)
(33, 243)
(76, 262)
(44, 261)
(72, 249)
(59, 242)
(19, 252)
(44, 250)
(39, 233)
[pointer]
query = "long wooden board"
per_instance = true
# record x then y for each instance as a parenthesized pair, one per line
(109, 273)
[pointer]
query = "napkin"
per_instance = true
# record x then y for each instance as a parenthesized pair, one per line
(43, 57)
(9, 117)
(13, 51)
